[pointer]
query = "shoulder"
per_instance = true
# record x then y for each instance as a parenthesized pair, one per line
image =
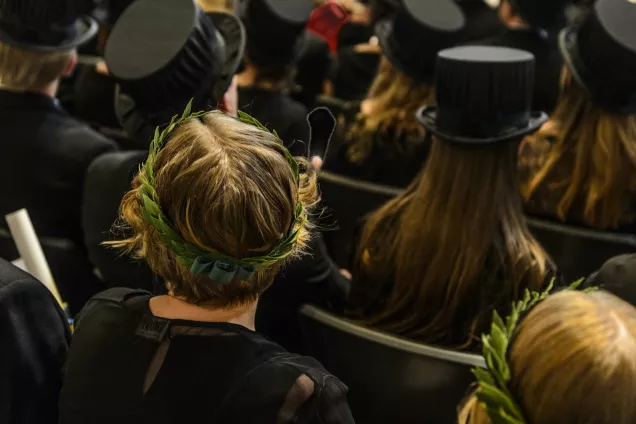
(78, 142)
(16, 283)
(112, 301)
(617, 276)
(116, 163)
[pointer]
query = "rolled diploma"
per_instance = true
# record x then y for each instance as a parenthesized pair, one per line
(30, 250)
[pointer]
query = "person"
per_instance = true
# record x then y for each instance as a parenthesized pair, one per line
(581, 167)
(270, 63)
(34, 341)
(382, 142)
(45, 152)
(216, 210)
(530, 25)
(151, 87)
(434, 261)
(567, 359)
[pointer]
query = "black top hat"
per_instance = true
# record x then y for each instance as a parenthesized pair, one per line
(275, 29)
(601, 53)
(546, 14)
(116, 8)
(165, 52)
(483, 96)
(45, 25)
(420, 29)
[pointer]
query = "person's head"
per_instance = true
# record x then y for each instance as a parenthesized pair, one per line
(30, 70)
(540, 14)
(572, 360)
(592, 164)
(228, 189)
(455, 244)
(394, 99)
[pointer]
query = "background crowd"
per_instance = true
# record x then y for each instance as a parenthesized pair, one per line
(450, 177)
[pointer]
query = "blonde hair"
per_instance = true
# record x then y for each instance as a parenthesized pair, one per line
(216, 5)
(435, 261)
(395, 98)
(30, 70)
(227, 187)
(573, 360)
(591, 166)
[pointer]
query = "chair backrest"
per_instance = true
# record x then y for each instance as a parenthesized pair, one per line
(391, 380)
(348, 201)
(578, 252)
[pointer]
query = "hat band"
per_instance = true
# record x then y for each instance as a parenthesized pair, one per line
(458, 123)
(51, 35)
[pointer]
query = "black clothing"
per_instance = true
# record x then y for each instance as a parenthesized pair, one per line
(34, 339)
(548, 64)
(617, 277)
(277, 111)
(354, 73)
(128, 366)
(312, 69)
(482, 21)
(392, 161)
(44, 156)
(95, 98)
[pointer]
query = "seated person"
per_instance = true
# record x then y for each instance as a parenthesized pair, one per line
(581, 167)
(530, 25)
(44, 152)
(567, 359)
(34, 340)
(383, 142)
(218, 207)
(268, 78)
(433, 262)
(150, 96)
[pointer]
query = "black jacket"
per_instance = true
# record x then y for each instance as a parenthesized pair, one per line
(548, 63)
(34, 340)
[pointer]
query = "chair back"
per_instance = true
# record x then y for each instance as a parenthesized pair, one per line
(348, 201)
(390, 379)
(578, 252)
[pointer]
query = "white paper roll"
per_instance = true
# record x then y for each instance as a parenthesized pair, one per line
(30, 250)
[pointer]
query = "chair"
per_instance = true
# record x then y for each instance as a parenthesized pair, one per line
(347, 201)
(391, 380)
(578, 252)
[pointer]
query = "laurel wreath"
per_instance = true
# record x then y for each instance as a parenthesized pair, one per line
(186, 252)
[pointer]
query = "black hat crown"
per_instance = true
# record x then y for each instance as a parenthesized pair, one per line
(420, 29)
(274, 28)
(165, 52)
(47, 25)
(483, 95)
(601, 54)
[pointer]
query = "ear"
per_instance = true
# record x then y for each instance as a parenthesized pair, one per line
(70, 66)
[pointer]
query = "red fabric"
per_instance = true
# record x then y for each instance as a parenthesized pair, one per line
(326, 21)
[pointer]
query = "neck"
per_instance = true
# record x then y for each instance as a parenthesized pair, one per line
(248, 78)
(49, 90)
(172, 307)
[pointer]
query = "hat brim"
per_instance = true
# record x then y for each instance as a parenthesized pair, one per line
(427, 116)
(233, 33)
(86, 29)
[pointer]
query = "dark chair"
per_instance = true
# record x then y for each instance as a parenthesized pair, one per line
(391, 380)
(578, 252)
(347, 201)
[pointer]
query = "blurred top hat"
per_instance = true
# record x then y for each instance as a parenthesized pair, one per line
(601, 54)
(275, 29)
(46, 25)
(545, 14)
(115, 8)
(163, 53)
(483, 96)
(412, 37)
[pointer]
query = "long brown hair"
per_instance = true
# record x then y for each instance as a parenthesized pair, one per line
(435, 261)
(395, 98)
(227, 187)
(591, 164)
(573, 360)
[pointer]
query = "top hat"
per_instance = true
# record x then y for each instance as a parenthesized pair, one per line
(116, 8)
(483, 96)
(412, 38)
(275, 29)
(45, 25)
(163, 53)
(545, 14)
(601, 53)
